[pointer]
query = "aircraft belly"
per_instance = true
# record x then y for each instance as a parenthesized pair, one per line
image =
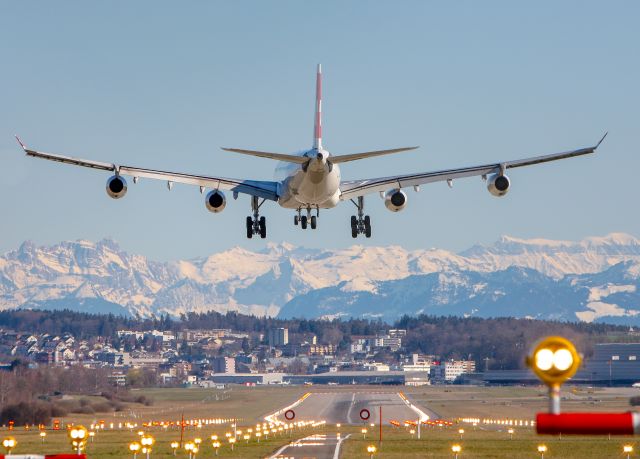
(303, 189)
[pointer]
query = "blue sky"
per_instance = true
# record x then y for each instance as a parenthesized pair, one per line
(164, 84)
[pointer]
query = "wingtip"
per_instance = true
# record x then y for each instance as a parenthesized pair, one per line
(603, 137)
(20, 142)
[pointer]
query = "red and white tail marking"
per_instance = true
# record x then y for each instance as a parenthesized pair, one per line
(317, 130)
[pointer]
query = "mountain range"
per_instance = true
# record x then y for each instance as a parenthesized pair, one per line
(596, 279)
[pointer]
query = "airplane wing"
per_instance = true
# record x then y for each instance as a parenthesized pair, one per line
(262, 189)
(355, 188)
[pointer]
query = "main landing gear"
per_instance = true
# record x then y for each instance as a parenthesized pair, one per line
(362, 223)
(304, 220)
(256, 224)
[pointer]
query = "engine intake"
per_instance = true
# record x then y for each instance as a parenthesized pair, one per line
(116, 187)
(395, 200)
(498, 185)
(215, 201)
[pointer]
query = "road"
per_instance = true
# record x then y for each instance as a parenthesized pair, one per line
(344, 407)
(314, 446)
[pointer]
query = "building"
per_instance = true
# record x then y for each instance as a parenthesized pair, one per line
(455, 368)
(612, 364)
(248, 379)
(362, 377)
(224, 365)
(278, 337)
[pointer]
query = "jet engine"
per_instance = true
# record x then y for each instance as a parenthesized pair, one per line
(215, 201)
(498, 185)
(395, 200)
(116, 187)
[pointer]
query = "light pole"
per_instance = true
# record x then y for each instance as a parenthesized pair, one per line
(542, 449)
(42, 436)
(364, 433)
(78, 438)
(134, 447)
(461, 432)
(510, 431)
(456, 449)
(216, 446)
(189, 446)
(9, 443)
(628, 449)
(232, 441)
(147, 442)
(371, 449)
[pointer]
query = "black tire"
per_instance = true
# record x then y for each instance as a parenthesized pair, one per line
(249, 227)
(314, 222)
(354, 222)
(367, 226)
(354, 233)
(263, 227)
(295, 220)
(303, 222)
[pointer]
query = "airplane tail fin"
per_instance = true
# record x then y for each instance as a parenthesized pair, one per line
(317, 126)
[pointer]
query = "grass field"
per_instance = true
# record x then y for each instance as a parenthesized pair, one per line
(478, 443)
(250, 404)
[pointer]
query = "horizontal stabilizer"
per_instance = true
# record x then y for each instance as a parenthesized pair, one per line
(367, 154)
(266, 154)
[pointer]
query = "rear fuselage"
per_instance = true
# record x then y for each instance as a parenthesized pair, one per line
(315, 184)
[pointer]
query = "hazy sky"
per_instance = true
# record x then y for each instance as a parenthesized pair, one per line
(165, 84)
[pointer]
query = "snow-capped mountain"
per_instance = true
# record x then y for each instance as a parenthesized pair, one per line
(593, 279)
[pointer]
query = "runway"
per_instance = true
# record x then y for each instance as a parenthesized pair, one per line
(345, 407)
(314, 446)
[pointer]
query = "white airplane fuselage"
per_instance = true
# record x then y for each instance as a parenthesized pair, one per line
(313, 185)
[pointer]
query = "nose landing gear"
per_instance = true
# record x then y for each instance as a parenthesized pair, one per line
(362, 223)
(256, 224)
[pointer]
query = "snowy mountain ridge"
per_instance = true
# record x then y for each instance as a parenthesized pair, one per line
(288, 280)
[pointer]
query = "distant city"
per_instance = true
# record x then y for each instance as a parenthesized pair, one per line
(215, 357)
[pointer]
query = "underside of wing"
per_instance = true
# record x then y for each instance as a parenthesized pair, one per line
(355, 188)
(262, 189)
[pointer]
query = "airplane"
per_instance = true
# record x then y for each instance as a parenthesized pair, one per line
(312, 180)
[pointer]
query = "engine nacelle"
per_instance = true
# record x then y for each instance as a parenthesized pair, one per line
(395, 200)
(116, 187)
(215, 201)
(498, 185)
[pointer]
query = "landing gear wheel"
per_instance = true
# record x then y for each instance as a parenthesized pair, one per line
(295, 220)
(249, 227)
(367, 226)
(314, 222)
(354, 222)
(263, 227)
(303, 222)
